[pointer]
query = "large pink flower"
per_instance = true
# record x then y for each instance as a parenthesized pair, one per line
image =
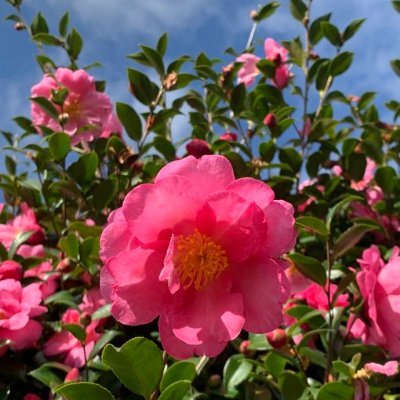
(65, 344)
(380, 288)
(18, 306)
(200, 250)
(87, 113)
(24, 222)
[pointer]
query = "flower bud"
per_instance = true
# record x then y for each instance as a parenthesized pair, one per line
(214, 381)
(85, 319)
(270, 120)
(63, 118)
(19, 26)
(277, 338)
(229, 137)
(170, 80)
(198, 148)
(254, 15)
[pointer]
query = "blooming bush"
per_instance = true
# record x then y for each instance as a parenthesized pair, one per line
(254, 258)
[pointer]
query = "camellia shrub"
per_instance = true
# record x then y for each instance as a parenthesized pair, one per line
(254, 259)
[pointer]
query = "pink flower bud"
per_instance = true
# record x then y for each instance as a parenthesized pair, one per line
(277, 338)
(19, 26)
(198, 148)
(270, 120)
(31, 396)
(10, 270)
(73, 375)
(229, 136)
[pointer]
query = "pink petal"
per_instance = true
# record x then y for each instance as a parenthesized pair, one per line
(389, 369)
(25, 337)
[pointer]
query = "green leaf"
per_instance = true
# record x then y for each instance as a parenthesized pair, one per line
(75, 44)
(59, 145)
(84, 169)
(138, 364)
(175, 391)
(266, 11)
(154, 59)
(162, 44)
(341, 63)
(336, 391)
(182, 370)
(396, 66)
(45, 375)
(63, 25)
(84, 390)
(76, 330)
(62, 297)
(268, 68)
(340, 367)
(267, 150)
(292, 387)
(350, 238)
(352, 28)
(141, 86)
(47, 39)
(39, 25)
(236, 371)
(46, 106)
(25, 124)
(385, 178)
(292, 158)
(355, 165)
(396, 5)
(103, 194)
(313, 224)
(237, 98)
(130, 120)
(275, 364)
(10, 165)
(165, 147)
(309, 267)
(331, 33)
(104, 339)
(316, 33)
(340, 206)
(298, 9)
(70, 246)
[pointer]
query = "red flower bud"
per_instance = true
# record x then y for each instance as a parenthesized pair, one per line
(198, 148)
(277, 338)
(229, 136)
(270, 120)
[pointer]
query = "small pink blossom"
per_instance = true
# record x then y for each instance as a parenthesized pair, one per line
(316, 297)
(249, 70)
(379, 284)
(200, 250)
(391, 368)
(18, 307)
(73, 375)
(24, 222)
(276, 53)
(10, 270)
(49, 278)
(65, 343)
(88, 113)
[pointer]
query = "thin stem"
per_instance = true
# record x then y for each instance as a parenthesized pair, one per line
(251, 35)
(201, 364)
(330, 312)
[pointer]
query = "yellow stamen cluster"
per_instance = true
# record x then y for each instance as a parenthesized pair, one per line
(199, 260)
(72, 108)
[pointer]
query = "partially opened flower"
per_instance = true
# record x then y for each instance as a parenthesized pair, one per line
(279, 55)
(249, 70)
(201, 251)
(86, 113)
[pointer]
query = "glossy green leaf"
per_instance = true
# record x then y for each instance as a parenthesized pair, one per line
(336, 391)
(395, 66)
(84, 169)
(63, 24)
(84, 390)
(20, 239)
(46, 106)
(47, 39)
(267, 150)
(237, 98)
(75, 44)
(292, 387)
(138, 364)
(162, 44)
(236, 371)
(352, 28)
(298, 9)
(59, 145)
(331, 33)
(340, 206)
(313, 224)
(77, 330)
(39, 25)
(70, 245)
(341, 63)
(310, 267)
(104, 192)
(182, 370)
(154, 58)
(385, 178)
(47, 376)
(267, 10)
(141, 86)
(175, 391)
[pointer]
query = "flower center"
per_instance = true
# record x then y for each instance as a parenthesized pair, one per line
(199, 260)
(72, 107)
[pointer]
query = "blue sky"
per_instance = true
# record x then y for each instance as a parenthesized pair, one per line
(113, 28)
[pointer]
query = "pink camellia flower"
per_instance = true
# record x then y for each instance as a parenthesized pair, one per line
(87, 114)
(49, 277)
(198, 148)
(249, 70)
(10, 270)
(380, 288)
(24, 222)
(229, 137)
(315, 296)
(391, 368)
(200, 250)
(276, 53)
(68, 345)
(18, 307)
